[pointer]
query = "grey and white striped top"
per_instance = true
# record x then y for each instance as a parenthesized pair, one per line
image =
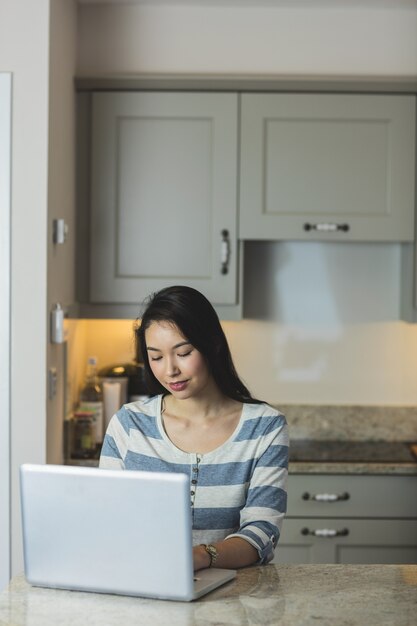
(236, 490)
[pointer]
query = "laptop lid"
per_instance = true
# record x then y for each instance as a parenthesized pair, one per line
(109, 531)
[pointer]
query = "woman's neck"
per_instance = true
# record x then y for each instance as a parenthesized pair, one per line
(205, 407)
(200, 424)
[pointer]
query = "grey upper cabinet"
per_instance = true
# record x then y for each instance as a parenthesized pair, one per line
(163, 195)
(327, 167)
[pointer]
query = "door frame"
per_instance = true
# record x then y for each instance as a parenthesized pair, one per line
(5, 324)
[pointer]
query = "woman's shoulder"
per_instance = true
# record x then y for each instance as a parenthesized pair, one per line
(138, 415)
(261, 420)
(262, 409)
(145, 406)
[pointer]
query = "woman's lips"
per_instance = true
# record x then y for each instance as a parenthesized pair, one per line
(178, 386)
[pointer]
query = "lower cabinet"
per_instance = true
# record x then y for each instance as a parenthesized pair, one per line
(330, 540)
(350, 519)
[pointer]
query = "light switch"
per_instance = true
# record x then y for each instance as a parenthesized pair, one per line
(60, 231)
(57, 324)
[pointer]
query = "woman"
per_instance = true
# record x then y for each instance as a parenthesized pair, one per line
(204, 422)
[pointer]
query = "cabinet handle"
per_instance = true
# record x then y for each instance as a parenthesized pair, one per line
(327, 227)
(225, 252)
(325, 532)
(326, 497)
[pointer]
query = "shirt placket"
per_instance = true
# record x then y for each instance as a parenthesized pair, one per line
(195, 470)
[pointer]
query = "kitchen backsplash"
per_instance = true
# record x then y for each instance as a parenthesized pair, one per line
(366, 364)
(351, 423)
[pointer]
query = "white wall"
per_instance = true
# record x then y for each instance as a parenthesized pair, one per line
(316, 37)
(24, 35)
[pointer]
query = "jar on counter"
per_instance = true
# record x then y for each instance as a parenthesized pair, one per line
(82, 435)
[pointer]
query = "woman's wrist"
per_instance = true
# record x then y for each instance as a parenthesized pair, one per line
(232, 553)
(202, 559)
(212, 552)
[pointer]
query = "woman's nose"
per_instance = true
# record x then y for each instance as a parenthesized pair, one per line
(173, 369)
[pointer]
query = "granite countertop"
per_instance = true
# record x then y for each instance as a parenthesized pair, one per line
(284, 595)
(376, 469)
(372, 424)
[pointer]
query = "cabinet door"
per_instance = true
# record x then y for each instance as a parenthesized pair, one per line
(314, 163)
(358, 541)
(164, 171)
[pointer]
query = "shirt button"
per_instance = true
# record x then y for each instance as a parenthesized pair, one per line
(193, 493)
(193, 482)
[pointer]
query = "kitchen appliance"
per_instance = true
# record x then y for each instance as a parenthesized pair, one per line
(114, 396)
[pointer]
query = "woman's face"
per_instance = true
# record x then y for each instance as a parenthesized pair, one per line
(174, 361)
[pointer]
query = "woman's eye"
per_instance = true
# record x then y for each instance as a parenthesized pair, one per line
(156, 358)
(186, 353)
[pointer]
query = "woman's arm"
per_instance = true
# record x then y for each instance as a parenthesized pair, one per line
(266, 502)
(261, 517)
(231, 554)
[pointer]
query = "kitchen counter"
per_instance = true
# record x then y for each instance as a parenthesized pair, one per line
(323, 425)
(284, 595)
(368, 468)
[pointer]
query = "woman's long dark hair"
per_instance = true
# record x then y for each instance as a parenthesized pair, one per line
(197, 320)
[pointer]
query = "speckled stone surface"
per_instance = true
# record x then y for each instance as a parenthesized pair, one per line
(355, 423)
(393, 469)
(351, 423)
(284, 595)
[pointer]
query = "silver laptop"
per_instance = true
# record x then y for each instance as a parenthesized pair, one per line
(111, 531)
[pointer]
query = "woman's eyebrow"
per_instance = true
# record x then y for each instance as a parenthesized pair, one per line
(177, 345)
(182, 343)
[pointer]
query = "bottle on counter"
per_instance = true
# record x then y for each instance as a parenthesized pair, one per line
(91, 399)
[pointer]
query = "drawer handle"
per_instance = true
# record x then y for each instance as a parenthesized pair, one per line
(327, 227)
(326, 497)
(225, 252)
(325, 532)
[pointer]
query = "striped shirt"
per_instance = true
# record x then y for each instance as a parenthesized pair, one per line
(237, 490)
